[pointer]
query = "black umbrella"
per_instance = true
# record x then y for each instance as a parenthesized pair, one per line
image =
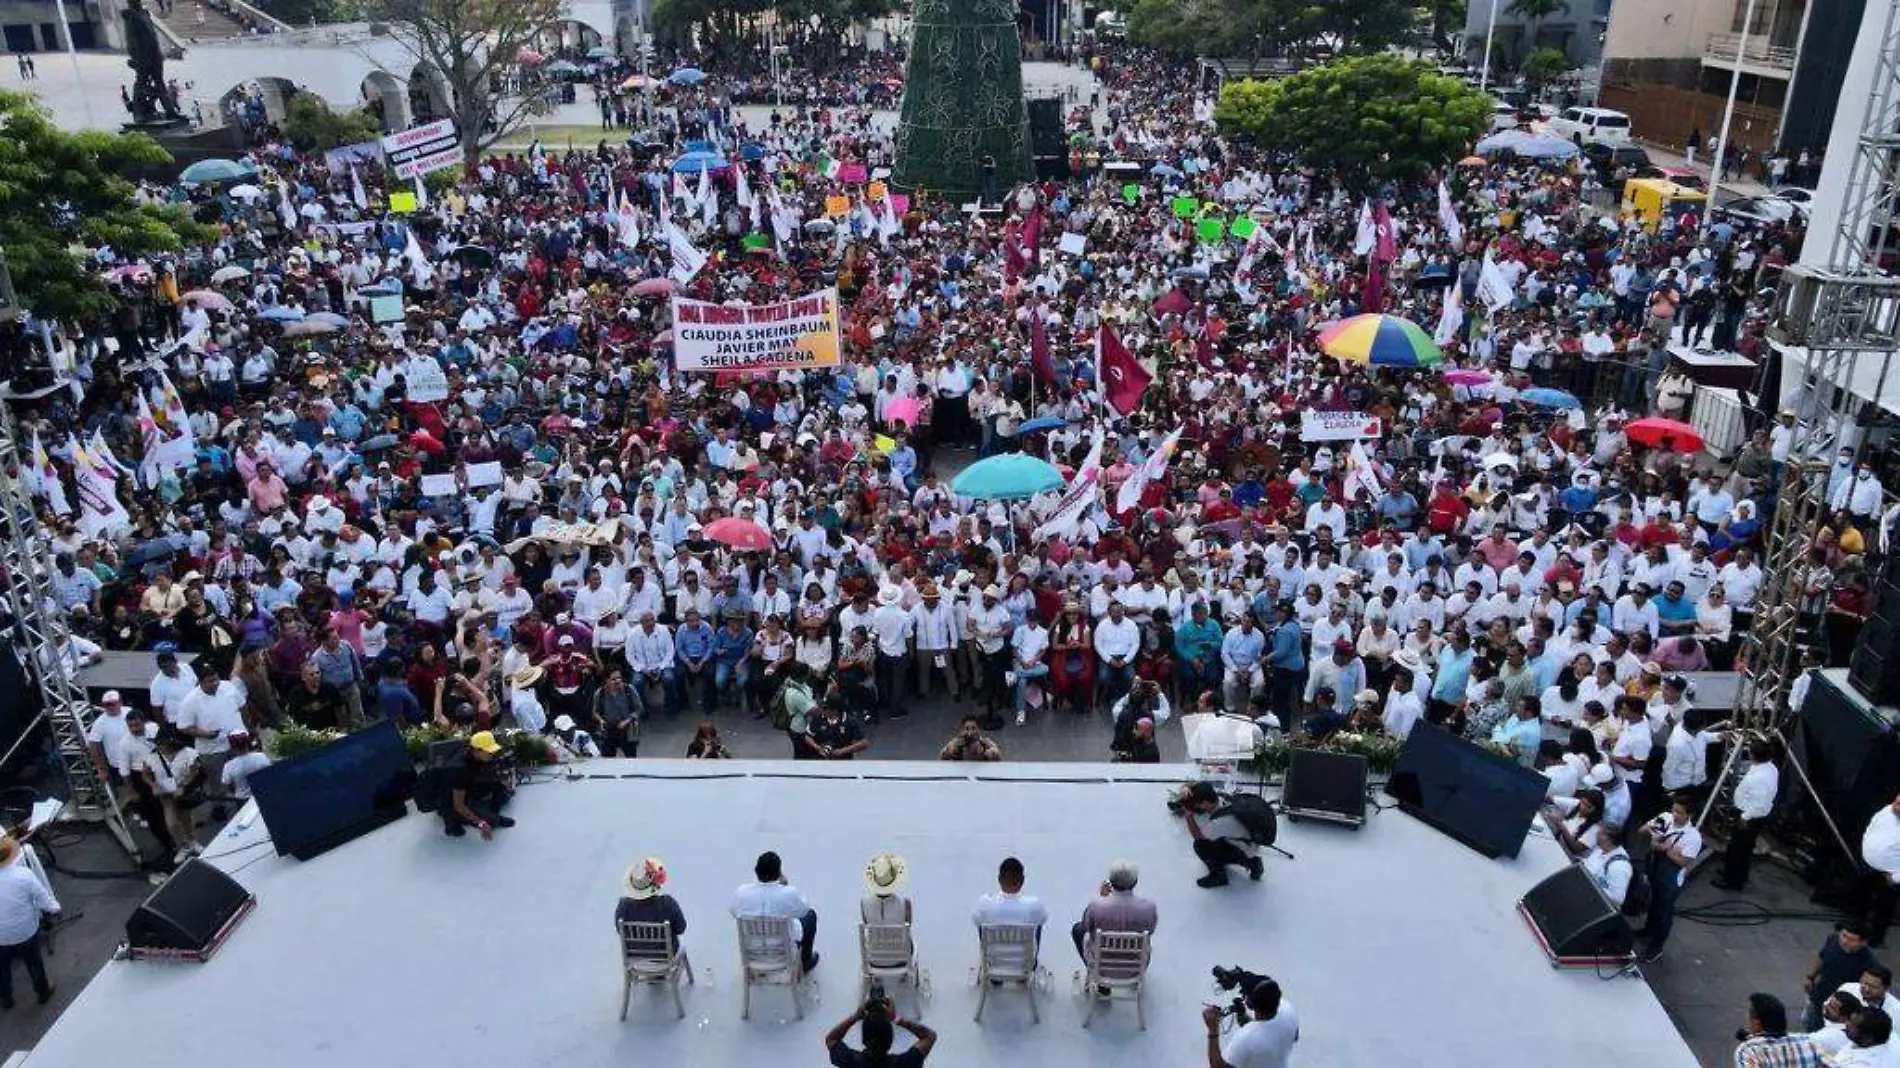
(473, 256)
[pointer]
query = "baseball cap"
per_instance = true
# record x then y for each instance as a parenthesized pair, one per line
(484, 741)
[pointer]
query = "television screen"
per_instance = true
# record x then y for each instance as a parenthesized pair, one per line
(1484, 800)
(323, 798)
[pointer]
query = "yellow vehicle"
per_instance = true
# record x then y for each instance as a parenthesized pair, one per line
(1647, 200)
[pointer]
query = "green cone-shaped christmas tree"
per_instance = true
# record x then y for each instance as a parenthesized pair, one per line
(963, 99)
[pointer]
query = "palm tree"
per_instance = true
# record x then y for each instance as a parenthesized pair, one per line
(1534, 12)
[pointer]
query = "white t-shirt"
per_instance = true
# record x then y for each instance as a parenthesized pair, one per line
(1265, 1043)
(239, 769)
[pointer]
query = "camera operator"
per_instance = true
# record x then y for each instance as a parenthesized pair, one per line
(1264, 1041)
(880, 1022)
(1221, 840)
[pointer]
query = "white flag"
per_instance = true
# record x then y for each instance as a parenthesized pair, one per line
(42, 478)
(286, 210)
(1448, 217)
(680, 192)
(1084, 488)
(709, 200)
(742, 189)
(357, 196)
(1452, 316)
(1494, 286)
(100, 512)
(687, 260)
(628, 219)
(705, 192)
(1368, 236)
(422, 193)
(1361, 475)
(412, 253)
(1151, 470)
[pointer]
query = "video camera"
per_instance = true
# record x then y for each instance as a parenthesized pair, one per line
(1241, 980)
(877, 1002)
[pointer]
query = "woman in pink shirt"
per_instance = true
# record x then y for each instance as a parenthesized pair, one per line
(267, 491)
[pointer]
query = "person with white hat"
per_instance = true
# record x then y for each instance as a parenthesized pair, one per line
(884, 876)
(646, 899)
(523, 704)
(895, 630)
(989, 628)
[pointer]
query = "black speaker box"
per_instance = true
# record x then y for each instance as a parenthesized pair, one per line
(1574, 923)
(188, 917)
(1045, 116)
(1874, 669)
(1326, 786)
(1048, 145)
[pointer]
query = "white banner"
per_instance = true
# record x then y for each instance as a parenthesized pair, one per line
(425, 379)
(421, 149)
(1339, 426)
(798, 333)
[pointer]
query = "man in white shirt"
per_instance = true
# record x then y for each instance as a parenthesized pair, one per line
(1609, 864)
(939, 634)
(24, 900)
(1754, 799)
(989, 626)
(208, 716)
(243, 763)
(650, 656)
(173, 683)
(772, 896)
(1674, 844)
(893, 628)
(1117, 643)
(1009, 906)
(1266, 1040)
(1027, 646)
(1880, 849)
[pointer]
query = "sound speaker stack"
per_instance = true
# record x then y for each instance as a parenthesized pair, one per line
(190, 916)
(1874, 669)
(1326, 786)
(1574, 924)
(1048, 145)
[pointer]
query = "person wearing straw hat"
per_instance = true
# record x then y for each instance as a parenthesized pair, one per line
(522, 702)
(646, 900)
(24, 900)
(884, 876)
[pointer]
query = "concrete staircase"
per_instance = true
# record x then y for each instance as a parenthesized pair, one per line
(183, 22)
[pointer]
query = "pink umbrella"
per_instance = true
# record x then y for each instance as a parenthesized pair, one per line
(1173, 302)
(903, 408)
(528, 56)
(653, 287)
(1462, 376)
(665, 337)
(740, 534)
(207, 299)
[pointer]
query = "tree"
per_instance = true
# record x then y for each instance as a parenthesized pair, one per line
(313, 127)
(1367, 118)
(1541, 67)
(61, 193)
(473, 43)
(1534, 12)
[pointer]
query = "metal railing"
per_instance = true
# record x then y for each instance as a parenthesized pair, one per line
(1759, 51)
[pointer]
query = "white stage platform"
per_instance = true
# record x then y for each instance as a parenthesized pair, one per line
(1397, 945)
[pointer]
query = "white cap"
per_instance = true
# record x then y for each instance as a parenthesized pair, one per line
(110, 697)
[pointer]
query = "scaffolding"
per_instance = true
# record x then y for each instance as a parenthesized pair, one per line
(26, 583)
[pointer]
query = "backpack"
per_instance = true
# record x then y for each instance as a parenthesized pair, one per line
(1257, 815)
(1636, 897)
(781, 712)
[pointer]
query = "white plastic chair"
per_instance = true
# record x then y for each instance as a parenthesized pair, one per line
(887, 952)
(650, 957)
(1118, 963)
(1007, 956)
(768, 955)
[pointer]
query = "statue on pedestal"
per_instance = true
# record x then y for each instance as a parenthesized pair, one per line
(146, 57)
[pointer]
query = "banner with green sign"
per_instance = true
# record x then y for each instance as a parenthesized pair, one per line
(1210, 229)
(1185, 207)
(1243, 228)
(1131, 192)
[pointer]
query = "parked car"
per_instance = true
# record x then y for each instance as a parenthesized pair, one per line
(1590, 124)
(1758, 211)
(1795, 195)
(1607, 159)
(1687, 177)
(1503, 117)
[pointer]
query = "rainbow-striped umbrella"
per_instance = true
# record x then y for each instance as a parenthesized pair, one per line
(1385, 340)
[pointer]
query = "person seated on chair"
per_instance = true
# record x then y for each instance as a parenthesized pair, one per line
(1115, 908)
(1220, 839)
(773, 896)
(1139, 747)
(478, 787)
(647, 901)
(1326, 719)
(883, 905)
(1009, 905)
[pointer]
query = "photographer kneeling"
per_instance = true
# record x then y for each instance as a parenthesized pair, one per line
(1266, 1036)
(880, 1021)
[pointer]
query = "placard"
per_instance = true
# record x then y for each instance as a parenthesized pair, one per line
(401, 201)
(1210, 229)
(1073, 244)
(1185, 207)
(837, 207)
(385, 309)
(798, 333)
(478, 475)
(1243, 228)
(440, 486)
(1339, 426)
(426, 380)
(422, 149)
(1131, 192)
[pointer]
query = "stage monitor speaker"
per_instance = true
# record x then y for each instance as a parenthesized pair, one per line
(188, 917)
(322, 798)
(1874, 669)
(1470, 793)
(1326, 786)
(1045, 116)
(1574, 923)
(1048, 144)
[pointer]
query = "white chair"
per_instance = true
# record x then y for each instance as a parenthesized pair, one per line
(650, 957)
(768, 954)
(887, 952)
(1120, 960)
(1008, 956)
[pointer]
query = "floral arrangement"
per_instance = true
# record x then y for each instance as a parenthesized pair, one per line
(295, 739)
(1380, 750)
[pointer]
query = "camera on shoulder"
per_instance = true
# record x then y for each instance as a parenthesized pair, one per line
(1240, 982)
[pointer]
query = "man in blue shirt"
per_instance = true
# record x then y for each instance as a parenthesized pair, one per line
(1399, 506)
(1249, 491)
(1674, 611)
(904, 461)
(396, 701)
(732, 646)
(1240, 653)
(1522, 732)
(1288, 661)
(693, 650)
(1197, 650)
(1454, 673)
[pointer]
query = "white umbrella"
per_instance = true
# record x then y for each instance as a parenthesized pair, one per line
(228, 274)
(246, 192)
(1500, 459)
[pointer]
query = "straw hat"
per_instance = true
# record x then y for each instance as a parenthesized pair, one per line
(645, 879)
(884, 875)
(9, 849)
(526, 677)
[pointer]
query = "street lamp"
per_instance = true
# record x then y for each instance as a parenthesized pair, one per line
(1490, 30)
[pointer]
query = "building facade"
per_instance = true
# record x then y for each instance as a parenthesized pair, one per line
(1576, 29)
(33, 26)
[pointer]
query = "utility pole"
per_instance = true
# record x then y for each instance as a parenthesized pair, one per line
(1490, 31)
(1728, 117)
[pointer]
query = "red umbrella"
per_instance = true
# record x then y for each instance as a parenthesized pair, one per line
(740, 534)
(1173, 302)
(1665, 434)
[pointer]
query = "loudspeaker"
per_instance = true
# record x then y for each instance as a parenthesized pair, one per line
(1048, 145)
(1326, 786)
(1478, 797)
(1574, 923)
(188, 917)
(1874, 669)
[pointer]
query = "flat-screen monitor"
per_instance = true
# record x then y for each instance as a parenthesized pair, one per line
(1484, 800)
(320, 799)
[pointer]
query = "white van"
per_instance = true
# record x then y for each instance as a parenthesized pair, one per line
(1590, 124)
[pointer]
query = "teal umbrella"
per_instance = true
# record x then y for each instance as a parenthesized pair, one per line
(215, 170)
(1009, 477)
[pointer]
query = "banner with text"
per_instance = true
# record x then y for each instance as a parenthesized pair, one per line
(1339, 426)
(799, 333)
